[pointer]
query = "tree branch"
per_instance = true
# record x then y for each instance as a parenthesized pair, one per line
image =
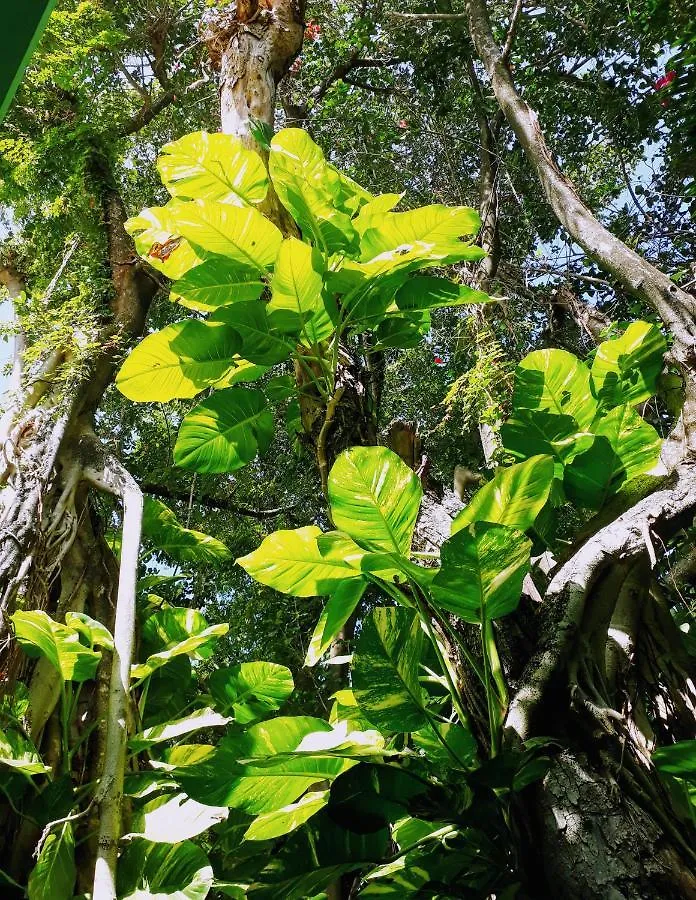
(160, 490)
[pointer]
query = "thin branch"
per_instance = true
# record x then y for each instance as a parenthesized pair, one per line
(160, 490)
(512, 31)
(428, 17)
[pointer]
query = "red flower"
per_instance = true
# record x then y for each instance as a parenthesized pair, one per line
(666, 80)
(312, 31)
(402, 123)
(296, 66)
(439, 361)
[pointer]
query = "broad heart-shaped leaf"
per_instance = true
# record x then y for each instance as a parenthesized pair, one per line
(375, 498)
(19, 753)
(437, 230)
(483, 567)
(530, 432)
(170, 819)
(53, 876)
(514, 497)
(164, 627)
(297, 286)
(373, 210)
(224, 432)
(150, 871)
(427, 292)
(201, 718)
(94, 633)
(39, 635)
(625, 446)
(196, 645)
(385, 670)
(339, 608)
(261, 770)
(250, 690)
(402, 331)
(157, 240)
(243, 235)
(286, 819)
(292, 562)
(556, 381)
(626, 369)
(179, 361)
(202, 166)
(263, 339)
(216, 282)
(183, 545)
(310, 189)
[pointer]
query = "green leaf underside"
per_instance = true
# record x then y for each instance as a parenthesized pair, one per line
(224, 432)
(250, 690)
(483, 567)
(183, 545)
(385, 670)
(339, 608)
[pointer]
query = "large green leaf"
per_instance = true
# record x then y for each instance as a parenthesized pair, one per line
(286, 819)
(157, 240)
(250, 690)
(385, 670)
(339, 608)
(677, 759)
(216, 282)
(179, 361)
(291, 561)
(262, 770)
(151, 871)
(483, 567)
(243, 235)
(310, 189)
(174, 730)
(262, 330)
(96, 634)
(166, 626)
(53, 876)
(514, 497)
(427, 292)
(626, 369)
(529, 433)
(375, 498)
(170, 819)
(297, 286)
(196, 645)
(183, 545)
(224, 432)
(556, 381)
(371, 213)
(202, 166)
(39, 635)
(19, 753)
(625, 446)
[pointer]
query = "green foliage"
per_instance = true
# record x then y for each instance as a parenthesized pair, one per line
(183, 545)
(39, 635)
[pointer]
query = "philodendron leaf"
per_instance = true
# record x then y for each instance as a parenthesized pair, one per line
(250, 690)
(39, 635)
(202, 166)
(375, 498)
(339, 608)
(677, 759)
(170, 819)
(262, 770)
(556, 381)
(310, 189)
(174, 730)
(624, 447)
(263, 340)
(244, 236)
(183, 545)
(53, 876)
(529, 433)
(297, 287)
(157, 240)
(626, 369)
(94, 633)
(196, 645)
(19, 753)
(216, 282)
(386, 668)
(483, 567)
(428, 292)
(514, 497)
(224, 432)
(293, 563)
(179, 361)
(286, 819)
(153, 871)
